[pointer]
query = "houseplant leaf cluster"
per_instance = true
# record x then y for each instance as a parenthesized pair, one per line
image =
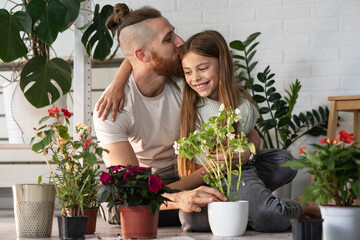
(77, 174)
(133, 186)
(28, 31)
(218, 136)
(277, 125)
(335, 167)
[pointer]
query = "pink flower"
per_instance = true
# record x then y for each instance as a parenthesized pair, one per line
(345, 137)
(66, 113)
(302, 149)
(104, 177)
(87, 142)
(116, 168)
(154, 183)
(53, 112)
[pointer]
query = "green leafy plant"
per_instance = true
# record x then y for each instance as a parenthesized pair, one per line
(277, 121)
(335, 167)
(218, 136)
(28, 31)
(132, 186)
(77, 175)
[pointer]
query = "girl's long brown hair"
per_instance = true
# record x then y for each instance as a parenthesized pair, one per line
(209, 44)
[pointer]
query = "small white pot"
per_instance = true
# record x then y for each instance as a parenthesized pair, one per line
(341, 222)
(228, 219)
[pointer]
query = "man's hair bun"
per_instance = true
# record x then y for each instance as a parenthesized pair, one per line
(115, 20)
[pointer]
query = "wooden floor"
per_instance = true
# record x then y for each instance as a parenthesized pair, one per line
(105, 231)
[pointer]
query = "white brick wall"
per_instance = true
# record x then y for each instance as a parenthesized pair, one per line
(316, 41)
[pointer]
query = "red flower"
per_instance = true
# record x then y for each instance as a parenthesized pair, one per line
(116, 168)
(154, 183)
(87, 142)
(345, 137)
(324, 140)
(104, 177)
(53, 111)
(66, 113)
(302, 149)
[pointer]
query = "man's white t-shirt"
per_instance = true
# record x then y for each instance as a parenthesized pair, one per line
(150, 124)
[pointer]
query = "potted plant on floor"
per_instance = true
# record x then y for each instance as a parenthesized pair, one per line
(28, 32)
(77, 174)
(215, 137)
(137, 194)
(335, 167)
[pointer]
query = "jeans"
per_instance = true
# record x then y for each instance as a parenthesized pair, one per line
(266, 212)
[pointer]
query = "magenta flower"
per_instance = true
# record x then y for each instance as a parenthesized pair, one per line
(154, 183)
(104, 177)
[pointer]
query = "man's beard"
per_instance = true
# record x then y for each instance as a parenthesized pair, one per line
(167, 67)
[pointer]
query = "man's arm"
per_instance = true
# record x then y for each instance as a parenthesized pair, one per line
(120, 153)
(114, 97)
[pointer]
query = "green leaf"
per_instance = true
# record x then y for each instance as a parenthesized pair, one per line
(97, 39)
(296, 164)
(356, 188)
(237, 45)
(39, 179)
(49, 18)
(91, 159)
(72, 11)
(44, 119)
(270, 91)
(251, 38)
(270, 83)
(252, 47)
(37, 147)
(238, 57)
(274, 97)
(259, 98)
(283, 121)
(258, 88)
(252, 66)
(264, 110)
(11, 45)
(37, 76)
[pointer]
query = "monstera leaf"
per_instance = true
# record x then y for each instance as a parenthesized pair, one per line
(38, 77)
(48, 19)
(11, 45)
(97, 38)
(72, 11)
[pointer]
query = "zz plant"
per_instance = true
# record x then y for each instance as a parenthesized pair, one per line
(277, 121)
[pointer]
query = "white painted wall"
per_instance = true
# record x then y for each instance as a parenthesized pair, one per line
(316, 41)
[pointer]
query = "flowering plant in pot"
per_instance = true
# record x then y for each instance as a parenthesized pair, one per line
(217, 136)
(137, 192)
(77, 175)
(335, 167)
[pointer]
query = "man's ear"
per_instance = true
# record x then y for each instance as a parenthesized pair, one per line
(142, 55)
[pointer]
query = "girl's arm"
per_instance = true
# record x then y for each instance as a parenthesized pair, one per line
(190, 182)
(114, 96)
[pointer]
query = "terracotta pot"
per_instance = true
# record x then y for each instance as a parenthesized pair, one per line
(91, 213)
(138, 222)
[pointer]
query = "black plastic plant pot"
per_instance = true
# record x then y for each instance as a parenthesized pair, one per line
(306, 229)
(72, 227)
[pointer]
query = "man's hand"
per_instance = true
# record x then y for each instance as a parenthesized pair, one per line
(193, 200)
(113, 99)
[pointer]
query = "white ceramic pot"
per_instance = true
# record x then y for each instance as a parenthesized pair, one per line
(21, 116)
(341, 223)
(33, 209)
(228, 219)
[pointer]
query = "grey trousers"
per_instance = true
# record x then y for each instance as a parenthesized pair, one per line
(266, 212)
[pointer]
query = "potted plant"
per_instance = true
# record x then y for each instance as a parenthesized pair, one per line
(219, 136)
(77, 175)
(137, 194)
(28, 31)
(335, 167)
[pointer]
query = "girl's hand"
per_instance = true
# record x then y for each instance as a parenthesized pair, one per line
(114, 99)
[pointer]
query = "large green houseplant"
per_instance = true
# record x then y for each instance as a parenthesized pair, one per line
(277, 125)
(28, 31)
